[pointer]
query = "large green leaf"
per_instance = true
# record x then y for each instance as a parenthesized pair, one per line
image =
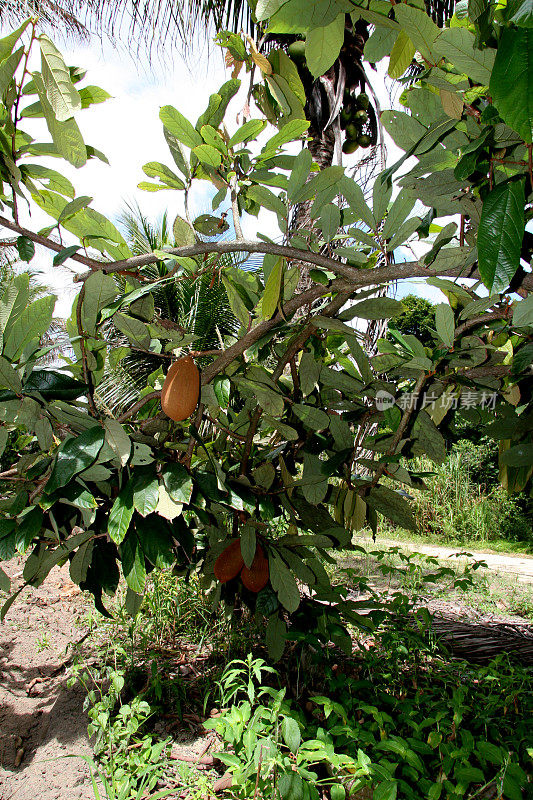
(180, 127)
(62, 95)
(54, 385)
(74, 456)
(65, 134)
(501, 230)
(133, 565)
(8, 42)
(420, 29)
(322, 46)
(283, 583)
(8, 69)
(178, 483)
(100, 289)
(9, 378)
(391, 505)
(401, 55)
(33, 322)
(121, 514)
(458, 45)
(511, 83)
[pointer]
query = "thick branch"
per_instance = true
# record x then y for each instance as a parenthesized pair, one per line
(360, 277)
(45, 242)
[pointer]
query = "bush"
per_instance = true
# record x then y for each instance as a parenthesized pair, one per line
(464, 501)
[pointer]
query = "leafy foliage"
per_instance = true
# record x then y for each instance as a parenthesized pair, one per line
(288, 438)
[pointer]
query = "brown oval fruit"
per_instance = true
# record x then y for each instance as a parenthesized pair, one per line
(256, 577)
(229, 563)
(181, 389)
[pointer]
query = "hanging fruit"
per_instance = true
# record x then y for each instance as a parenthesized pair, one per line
(229, 563)
(256, 577)
(181, 389)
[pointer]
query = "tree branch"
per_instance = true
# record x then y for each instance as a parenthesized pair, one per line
(51, 245)
(360, 277)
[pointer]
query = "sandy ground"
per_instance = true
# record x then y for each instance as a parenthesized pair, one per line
(519, 567)
(42, 721)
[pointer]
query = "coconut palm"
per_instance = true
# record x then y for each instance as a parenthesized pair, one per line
(198, 306)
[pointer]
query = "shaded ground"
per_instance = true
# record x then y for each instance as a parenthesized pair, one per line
(41, 720)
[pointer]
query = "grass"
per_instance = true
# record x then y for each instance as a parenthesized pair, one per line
(465, 505)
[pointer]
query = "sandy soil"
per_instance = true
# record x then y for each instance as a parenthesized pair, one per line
(41, 720)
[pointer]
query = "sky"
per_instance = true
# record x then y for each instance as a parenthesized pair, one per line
(128, 130)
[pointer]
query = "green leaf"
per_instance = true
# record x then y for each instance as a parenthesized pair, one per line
(177, 152)
(118, 440)
(145, 491)
(329, 222)
(120, 515)
(81, 562)
(178, 483)
(66, 135)
(290, 132)
(523, 312)
(322, 46)
(250, 130)
(62, 95)
(5, 583)
(271, 294)
(267, 199)
(32, 323)
(73, 207)
(74, 456)
(133, 565)
(377, 308)
(183, 233)
(248, 544)
(420, 29)
(401, 55)
(8, 42)
(62, 256)
(100, 289)
(354, 196)
(428, 439)
(54, 385)
(314, 483)
(309, 372)
(391, 505)
(511, 83)
(154, 169)
(445, 323)
(521, 455)
(91, 95)
(501, 230)
(208, 155)
(299, 173)
(179, 126)
(523, 15)
(398, 212)
(9, 378)
(313, 418)
(458, 45)
(386, 790)
(283, 583)
(136, 331)
(290, 730)
(8, 69)
(156, 541)
(222, 389)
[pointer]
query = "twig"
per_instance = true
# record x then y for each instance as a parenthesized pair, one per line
(138, 405)
(235, 211)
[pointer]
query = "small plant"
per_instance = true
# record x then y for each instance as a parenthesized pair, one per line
(130, 761)
(43, 643)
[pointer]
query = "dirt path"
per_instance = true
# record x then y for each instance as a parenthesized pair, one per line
(41, 720)
(519, 567)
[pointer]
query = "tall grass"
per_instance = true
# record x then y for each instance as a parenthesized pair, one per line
(465, 503)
